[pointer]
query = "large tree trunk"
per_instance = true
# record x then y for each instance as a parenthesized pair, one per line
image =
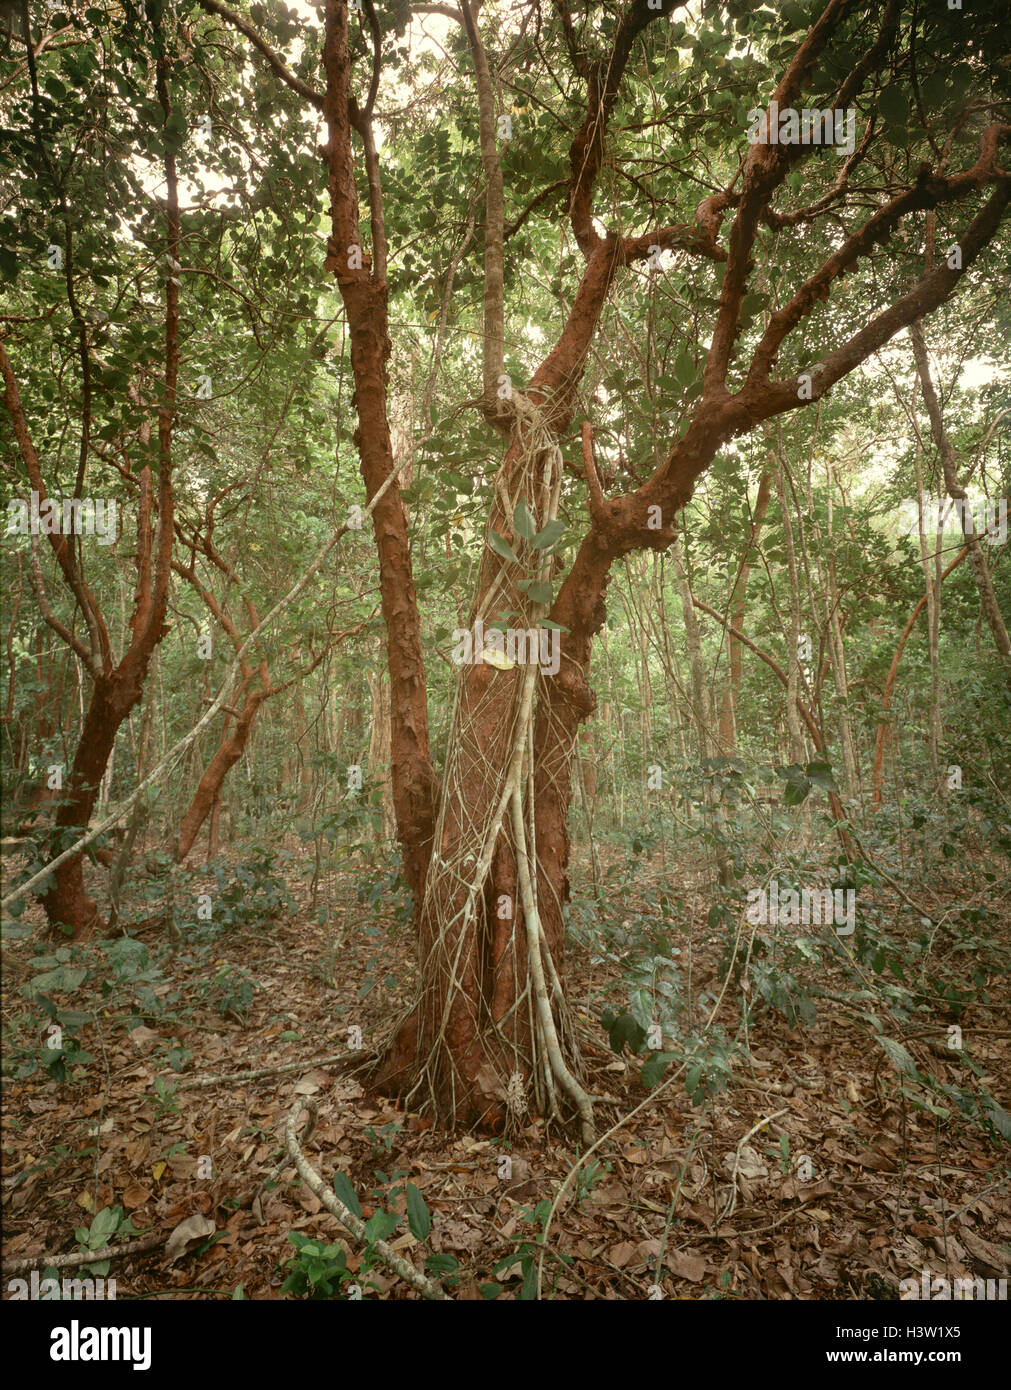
(488, 1038)
(68, 903)
(379, 751)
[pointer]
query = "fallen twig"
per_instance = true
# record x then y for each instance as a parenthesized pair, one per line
(196, 1082)
(80, 1257)
(335, 1207)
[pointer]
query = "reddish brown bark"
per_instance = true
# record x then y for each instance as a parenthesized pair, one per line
(364, 293)
(208, 792)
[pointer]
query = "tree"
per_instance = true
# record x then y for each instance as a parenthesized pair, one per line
(769, 269)
(489, 1026)
(117, 685)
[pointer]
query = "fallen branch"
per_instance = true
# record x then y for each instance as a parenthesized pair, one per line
(731, 1204)
(198, 1082)
(80, 1257)
(336, 1207)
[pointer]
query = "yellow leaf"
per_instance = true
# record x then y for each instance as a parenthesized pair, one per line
(85, 1201)
(157, 1169)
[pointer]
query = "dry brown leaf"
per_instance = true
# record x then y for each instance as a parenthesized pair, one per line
(682, 1266)
(187, 1233)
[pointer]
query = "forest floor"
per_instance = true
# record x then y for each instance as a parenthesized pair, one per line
(817, 1170)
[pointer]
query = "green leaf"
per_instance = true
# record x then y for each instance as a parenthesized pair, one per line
(932, 90)
(417, 1213)
(625, 1030)
(347, 1194)
(654, 1067)
(641, 1007)
(549, 535)
(523, 522)
(821, 775)
(537, 591)
(502, 547)
(796, 792)
(685, 369)
(960, 78)
(380, 1225)
(62, 978)
(489, 1290)
(105, 1222)
(898, 1056)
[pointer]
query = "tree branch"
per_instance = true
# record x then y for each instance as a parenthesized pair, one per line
(275, 60)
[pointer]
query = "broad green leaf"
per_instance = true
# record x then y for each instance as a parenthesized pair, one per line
(641, 1007)
(821, 775)
(523, 522)
(502, 547)
(796, 792)
(898, 1056)
(538, 592)
(347, 1194)
(417, 1213)
(548, 535)
(893, 105)
(380, 1225)
(654, 1067)
(626, 1030)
